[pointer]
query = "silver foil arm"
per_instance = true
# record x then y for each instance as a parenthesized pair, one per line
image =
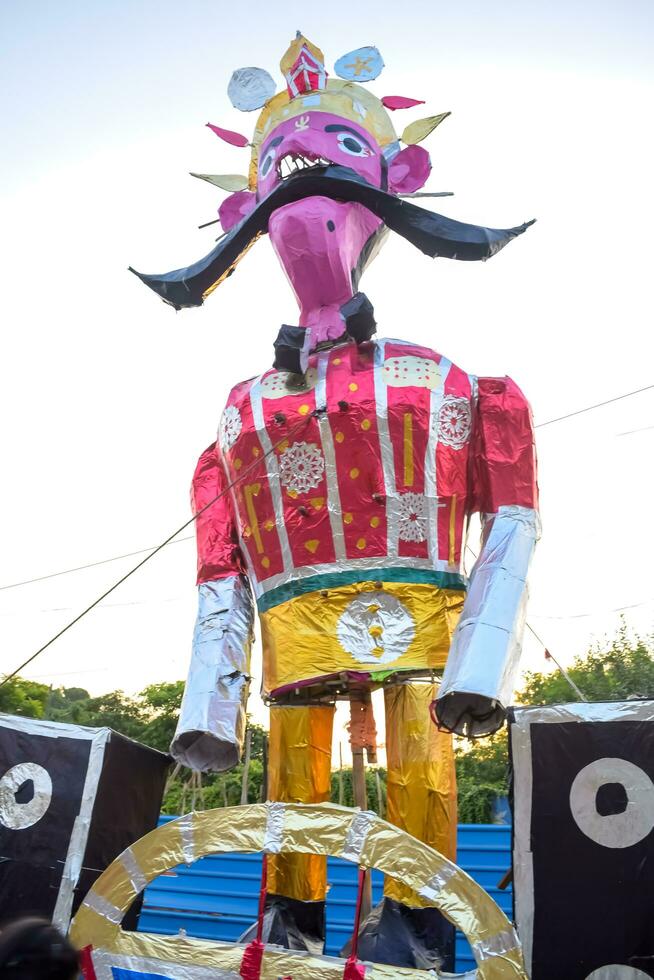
(211, 724)
(481, 668)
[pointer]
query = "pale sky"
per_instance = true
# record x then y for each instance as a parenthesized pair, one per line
(108, 396)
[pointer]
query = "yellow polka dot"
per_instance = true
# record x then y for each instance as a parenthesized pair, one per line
(238, 463)
(312, 546)
(339, 437)
(374, 522)
(256, 451)
(269, 525)
(337, 360)
(376, 632)
(283, 446)
(292, 493)
(265, 562)
(374, 608)
(304, 409)
(353, 386)
(378, 651)
(354, 472)
(365, 425)
(247, 531)
(361, 543)
(347, 518)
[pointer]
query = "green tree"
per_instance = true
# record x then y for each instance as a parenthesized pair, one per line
(160, 704)
(21, 697)
(482, 776)
(624, 669)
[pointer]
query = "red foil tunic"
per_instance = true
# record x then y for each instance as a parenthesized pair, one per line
(350, 502)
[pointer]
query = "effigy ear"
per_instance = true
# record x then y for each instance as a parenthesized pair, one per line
(226, 182)
(420, 129)
(236, 207)
(409, 170)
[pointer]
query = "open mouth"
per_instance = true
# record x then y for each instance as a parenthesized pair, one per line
(295, 163)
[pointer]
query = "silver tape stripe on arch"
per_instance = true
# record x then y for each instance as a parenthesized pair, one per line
(185, 825)
(133, 869)
(355, 838)
(499, 945)
(272, 841)
(104, 908)
(437, 883)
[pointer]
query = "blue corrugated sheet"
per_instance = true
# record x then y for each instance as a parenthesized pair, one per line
(216, 898)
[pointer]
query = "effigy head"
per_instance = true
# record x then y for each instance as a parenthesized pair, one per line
(327, 177)
(318, 122)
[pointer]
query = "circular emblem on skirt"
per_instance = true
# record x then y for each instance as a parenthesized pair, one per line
(376, 628)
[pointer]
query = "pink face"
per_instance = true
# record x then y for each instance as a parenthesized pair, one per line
(317, 138)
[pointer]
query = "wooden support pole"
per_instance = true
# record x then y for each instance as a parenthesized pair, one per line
(246, 766)
(341, 795)
(361, 800)
(264, 776)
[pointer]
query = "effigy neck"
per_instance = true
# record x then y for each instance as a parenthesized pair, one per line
(325, 322)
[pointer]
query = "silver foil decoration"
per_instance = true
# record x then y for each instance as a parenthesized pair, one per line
(355, 838)
(211, 726)
(481, 668)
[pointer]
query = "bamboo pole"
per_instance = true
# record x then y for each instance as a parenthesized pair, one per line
(341, 794)
(361, 800)
(264, 775)
(246, 766)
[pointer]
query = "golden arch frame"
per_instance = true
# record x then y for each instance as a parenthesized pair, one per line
(357, 836)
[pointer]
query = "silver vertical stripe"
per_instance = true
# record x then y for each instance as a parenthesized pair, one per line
(386, 450)
(242, 519)
(431, 476)
(273, 473)
(333, 494)
(81, 827)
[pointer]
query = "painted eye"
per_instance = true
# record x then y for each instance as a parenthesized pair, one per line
(267, 162)
(352, 145)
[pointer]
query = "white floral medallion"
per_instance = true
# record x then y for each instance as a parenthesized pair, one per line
(375, 628)
(301, 467)
(454, 421)
(230, 427)
(412, 513)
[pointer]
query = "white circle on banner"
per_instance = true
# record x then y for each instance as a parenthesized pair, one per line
(615, 829)
(617, 972)
(19, 816)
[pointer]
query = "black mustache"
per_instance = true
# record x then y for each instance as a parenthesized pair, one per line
(432, 233)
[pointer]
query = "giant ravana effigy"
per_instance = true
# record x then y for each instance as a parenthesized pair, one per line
(337, 497)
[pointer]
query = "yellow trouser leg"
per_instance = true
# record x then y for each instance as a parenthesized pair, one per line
(300, 772)
(421, 781)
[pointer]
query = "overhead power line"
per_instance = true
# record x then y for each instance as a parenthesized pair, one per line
(91, 564)
(248, 469)
(589, 408)
(143, 551)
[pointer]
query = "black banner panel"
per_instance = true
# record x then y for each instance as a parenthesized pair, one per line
(583, 839)
(71, 800)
